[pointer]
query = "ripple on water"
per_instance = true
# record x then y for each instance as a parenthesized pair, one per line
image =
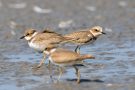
(24, 57)
(117, 61)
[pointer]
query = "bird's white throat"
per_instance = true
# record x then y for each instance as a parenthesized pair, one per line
(30, 37)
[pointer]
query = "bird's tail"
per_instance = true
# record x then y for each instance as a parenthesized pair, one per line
(87, 56)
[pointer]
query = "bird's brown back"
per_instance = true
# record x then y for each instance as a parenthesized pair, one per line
(47, 30)
(41, 37)
(63, 56)
(50, 40)
(81, 37)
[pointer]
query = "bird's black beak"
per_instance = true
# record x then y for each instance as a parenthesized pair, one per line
(22, 37)
(103, 33)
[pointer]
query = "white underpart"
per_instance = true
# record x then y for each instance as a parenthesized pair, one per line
(46, 52)
(35, 46)
(53, 50)
(28, 38)
(32, 44)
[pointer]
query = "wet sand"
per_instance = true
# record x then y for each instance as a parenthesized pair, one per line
(113, 68)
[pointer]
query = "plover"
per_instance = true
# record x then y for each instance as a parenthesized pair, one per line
(85, 36)
(41, 40)
(64, 57)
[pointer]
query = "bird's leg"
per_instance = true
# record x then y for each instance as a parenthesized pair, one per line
(50, 70)
(77, 74)
(49, 65)
(42, 61)
(60, 72)
(76, 49)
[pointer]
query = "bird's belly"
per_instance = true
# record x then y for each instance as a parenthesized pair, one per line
(36, 46)
(65, 64)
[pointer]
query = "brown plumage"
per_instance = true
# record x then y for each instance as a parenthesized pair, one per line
(63, 57)
(85, 36)
(48, 30)
(81, 37)
(66, 56)
(46, 39)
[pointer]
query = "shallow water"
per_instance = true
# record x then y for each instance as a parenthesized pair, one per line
(113, 68)
(24, 57)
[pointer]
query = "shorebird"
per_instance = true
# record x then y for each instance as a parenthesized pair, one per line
(41, 40)
(85, 36)
(63, 57)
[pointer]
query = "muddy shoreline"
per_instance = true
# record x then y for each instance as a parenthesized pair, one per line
(113, 68)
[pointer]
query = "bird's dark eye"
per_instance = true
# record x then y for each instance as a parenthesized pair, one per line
(27, 34)
(96, 30)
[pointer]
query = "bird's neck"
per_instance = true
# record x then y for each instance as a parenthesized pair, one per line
(33, 36)
(94, 37)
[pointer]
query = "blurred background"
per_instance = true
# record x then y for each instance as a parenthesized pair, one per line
(114, 52)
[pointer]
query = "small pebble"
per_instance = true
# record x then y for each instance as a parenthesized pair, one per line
(0, 4)
(13, 24)
(108, 29)
(37, 9)
(13, 32)
(123, 3)
(65, 24)
(109, 85)
(91, 8)
(18, 5)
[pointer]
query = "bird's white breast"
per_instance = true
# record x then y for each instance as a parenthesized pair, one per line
(35, 46)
